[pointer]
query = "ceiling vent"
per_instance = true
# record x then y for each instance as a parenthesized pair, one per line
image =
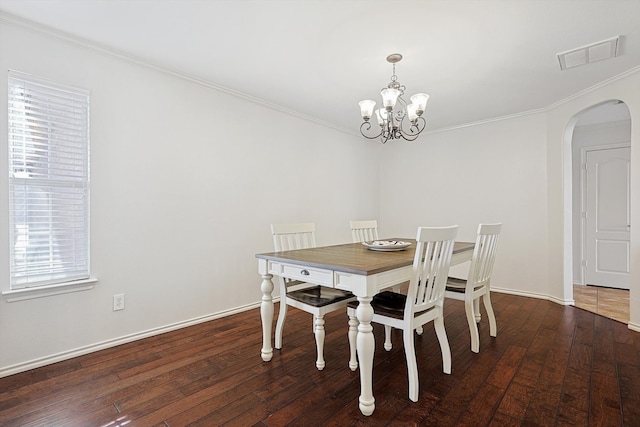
(591, 53)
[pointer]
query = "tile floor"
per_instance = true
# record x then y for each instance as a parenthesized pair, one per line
(611, 303)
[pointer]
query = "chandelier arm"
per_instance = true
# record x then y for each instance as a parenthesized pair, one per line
(414, 128)
(368, 127)
(409, 138)
(386, 133)
(413, 134)
(402, 111)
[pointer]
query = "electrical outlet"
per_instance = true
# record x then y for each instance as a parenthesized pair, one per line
(118, 302)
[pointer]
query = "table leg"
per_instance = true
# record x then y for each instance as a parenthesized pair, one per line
(365, 344)
(266, 314)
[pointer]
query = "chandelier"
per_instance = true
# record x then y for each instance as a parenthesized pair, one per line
(396, 118)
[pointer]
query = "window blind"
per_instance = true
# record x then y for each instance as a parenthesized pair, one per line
(48, 182)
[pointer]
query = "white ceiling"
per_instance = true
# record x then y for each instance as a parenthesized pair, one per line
(478, 59)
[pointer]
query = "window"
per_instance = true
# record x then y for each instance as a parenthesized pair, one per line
(48, 182)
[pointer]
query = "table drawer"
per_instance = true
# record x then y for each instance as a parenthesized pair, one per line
(318, 276)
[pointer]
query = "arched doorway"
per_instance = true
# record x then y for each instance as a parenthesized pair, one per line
(599, 132)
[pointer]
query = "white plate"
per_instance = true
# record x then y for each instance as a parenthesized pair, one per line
(387, 245)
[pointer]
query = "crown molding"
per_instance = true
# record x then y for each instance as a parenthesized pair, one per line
(595, 87)
(16, 20)
(543, 110)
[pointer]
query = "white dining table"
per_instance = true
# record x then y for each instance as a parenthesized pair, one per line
(352, 267)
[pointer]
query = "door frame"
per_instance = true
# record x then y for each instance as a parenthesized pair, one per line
(583, 200)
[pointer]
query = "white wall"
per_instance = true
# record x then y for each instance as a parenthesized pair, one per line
(185, 180)
(492, 172)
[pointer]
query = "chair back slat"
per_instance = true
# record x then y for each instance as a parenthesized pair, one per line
(434, 247)
(288, 237)
(484, 254)
(364, 231)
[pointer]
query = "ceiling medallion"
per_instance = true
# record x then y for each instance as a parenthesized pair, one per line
(396, 118)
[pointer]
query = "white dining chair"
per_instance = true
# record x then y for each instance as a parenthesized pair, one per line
(364, 231)
(314, 299)
(423, 302)
(478, 282)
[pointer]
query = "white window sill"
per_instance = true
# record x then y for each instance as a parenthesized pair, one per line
(49, 290)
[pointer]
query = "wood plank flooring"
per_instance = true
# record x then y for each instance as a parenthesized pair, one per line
(609, 302)
(549, 365)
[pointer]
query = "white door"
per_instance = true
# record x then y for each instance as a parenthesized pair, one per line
(608, 218)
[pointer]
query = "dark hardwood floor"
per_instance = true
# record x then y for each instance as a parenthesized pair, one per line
(549, 365)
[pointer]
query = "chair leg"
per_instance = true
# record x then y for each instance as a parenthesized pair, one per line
(476, 310)
(473, 326)
(387, 338)
(282, 315)
(412, 365)
(353, 335)
(441, 333)
(320, 341)
(490, 314)
(387, 329)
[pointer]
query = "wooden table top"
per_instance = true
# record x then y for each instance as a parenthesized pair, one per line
(354, 257)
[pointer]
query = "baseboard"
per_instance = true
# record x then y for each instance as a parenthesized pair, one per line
(532, 295)
(47, 360)
(634, 326)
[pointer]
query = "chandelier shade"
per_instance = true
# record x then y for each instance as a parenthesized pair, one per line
(396, 118)
(366, 108)
(381, 114)
(412, 112)
(420, 101)
(389, 98)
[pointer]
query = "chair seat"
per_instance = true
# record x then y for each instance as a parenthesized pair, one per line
(459, 285)
(456, 285)
(388, 303)
(319, 296)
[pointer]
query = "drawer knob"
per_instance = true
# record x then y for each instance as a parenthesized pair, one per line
(305, 272)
